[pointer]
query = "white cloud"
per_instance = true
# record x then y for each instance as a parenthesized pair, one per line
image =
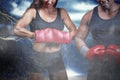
(83, 6)
(18, 10)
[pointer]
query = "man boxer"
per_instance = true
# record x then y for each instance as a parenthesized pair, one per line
(103, 22)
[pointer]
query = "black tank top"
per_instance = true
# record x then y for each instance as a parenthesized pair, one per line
(38, 23)
(105, 31)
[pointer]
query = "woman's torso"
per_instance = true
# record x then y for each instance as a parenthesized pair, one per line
(38, 23)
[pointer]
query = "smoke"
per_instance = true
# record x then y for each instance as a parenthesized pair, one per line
(6, 30)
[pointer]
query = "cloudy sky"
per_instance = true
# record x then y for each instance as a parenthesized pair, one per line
(75, 8)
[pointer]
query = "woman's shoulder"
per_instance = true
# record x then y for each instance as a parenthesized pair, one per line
(62, 9)
(63, 13)
(31, 11)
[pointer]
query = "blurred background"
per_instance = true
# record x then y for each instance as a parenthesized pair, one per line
(19, 50)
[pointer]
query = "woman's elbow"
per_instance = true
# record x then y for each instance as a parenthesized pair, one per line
(16, 31)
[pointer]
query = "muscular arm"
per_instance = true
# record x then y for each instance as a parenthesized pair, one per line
(83, 31)
(20, 26)
(68, 23)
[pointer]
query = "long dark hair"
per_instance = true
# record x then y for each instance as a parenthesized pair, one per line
(38, 3)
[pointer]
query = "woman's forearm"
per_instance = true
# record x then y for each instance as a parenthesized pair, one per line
(22, 32)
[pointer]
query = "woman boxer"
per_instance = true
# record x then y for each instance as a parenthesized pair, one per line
(46, 24)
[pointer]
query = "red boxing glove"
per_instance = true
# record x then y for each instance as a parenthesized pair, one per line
(114, 50)
(97, 50)
(52, 35)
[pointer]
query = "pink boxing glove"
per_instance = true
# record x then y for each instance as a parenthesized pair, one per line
(45, 35)
(61, 37)
(52, 35)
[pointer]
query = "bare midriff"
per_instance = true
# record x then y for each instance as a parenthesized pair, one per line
(46, 47)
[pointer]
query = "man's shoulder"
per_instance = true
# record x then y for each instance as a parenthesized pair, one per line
(90, 12)
(87, 17)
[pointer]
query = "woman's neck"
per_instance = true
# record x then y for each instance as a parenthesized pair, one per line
(48, 9)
